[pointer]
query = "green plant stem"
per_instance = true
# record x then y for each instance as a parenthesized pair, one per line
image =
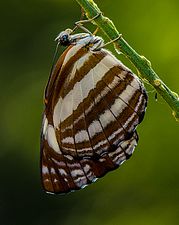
(140, 62)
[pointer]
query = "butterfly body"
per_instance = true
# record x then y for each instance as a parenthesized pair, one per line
(93, 104)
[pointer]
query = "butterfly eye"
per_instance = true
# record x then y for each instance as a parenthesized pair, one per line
(65, 40)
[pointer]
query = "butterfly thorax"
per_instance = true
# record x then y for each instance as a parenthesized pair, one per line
(92, 42)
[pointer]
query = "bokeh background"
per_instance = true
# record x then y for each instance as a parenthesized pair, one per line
(145, 190)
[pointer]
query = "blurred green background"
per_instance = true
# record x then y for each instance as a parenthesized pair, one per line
(145, 190)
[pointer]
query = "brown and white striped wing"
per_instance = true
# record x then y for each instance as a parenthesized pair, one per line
(93, 105)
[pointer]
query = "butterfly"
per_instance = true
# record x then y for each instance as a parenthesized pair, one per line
(93, 104)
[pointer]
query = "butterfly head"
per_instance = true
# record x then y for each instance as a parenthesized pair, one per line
(64, 38)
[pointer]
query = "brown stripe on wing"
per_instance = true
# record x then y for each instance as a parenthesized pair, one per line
(55, 174)
(80, 73)
(124, 150)
(49, 90)
(67, 143)
(112, 126)
(106, 117)
(121, 86)
(99, 141)
(61, 172)
(47, 182)
(83, 148)
(120, 70)
(126, 117)
(58, 76)
(72, 161)
(54, 74)
(109, 102)
(137, 102)
(125, 74)
(64, 73)
(64, 135)
(140, 107)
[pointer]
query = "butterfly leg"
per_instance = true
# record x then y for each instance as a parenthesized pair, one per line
(79, 24)
(88, 20)
(114, 40)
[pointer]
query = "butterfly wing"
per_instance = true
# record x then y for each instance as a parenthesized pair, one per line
(93, 105)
